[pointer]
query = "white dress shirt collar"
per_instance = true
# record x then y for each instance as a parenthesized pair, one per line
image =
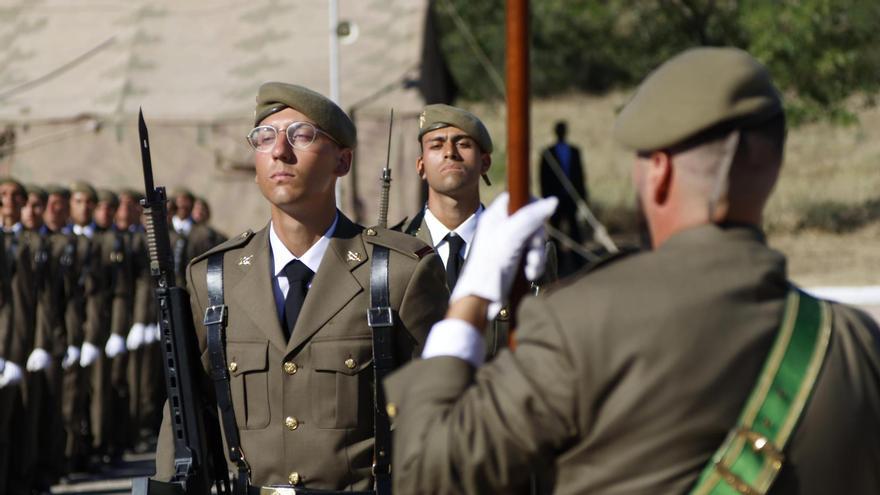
(182, 225)
(438, 231)
(281, 256)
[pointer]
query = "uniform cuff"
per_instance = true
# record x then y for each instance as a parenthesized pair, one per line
(455, 338)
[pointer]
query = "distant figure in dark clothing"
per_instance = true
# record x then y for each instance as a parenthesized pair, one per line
(568, 160)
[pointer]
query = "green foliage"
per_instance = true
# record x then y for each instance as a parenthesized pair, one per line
(820, 52)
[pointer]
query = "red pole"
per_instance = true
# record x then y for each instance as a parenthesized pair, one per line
(517, 127)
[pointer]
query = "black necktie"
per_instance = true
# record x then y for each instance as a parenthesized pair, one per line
(455, 260)
(298, 278)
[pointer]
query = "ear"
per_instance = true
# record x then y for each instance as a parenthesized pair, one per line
(420, 167)
(343, 162)
(659, 176)
(486, 160)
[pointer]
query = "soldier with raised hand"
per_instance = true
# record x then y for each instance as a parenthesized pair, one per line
(657, 372)
(298, 345)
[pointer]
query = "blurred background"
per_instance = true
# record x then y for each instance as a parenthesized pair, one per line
(74, 73)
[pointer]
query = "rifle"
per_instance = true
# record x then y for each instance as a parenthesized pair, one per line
(198, 460)
(386, 179)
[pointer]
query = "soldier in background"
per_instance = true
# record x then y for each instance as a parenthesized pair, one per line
(17, 344)
(188, 239)
(456, 151)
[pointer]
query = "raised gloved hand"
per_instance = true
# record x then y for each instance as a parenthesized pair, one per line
(71, 356)
(89, 353)
(11, 374)
(38, 360)
(115, 346)
(498, 246)
(135, 336)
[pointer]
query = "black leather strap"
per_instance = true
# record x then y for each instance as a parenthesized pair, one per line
(380, 317)
(216, 316)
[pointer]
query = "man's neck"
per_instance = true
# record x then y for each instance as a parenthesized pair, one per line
(452, 212)
(9, 222)
(299, 232)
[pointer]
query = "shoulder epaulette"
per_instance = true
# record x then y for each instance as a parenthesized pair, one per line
(609, 259)
(398, 241)
(237, 241)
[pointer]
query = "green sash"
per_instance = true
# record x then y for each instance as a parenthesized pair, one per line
(752, 454)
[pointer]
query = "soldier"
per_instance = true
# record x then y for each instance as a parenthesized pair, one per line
(456, 150)
(631, 376)
(188, 239)
(298, 344)
(17, 345)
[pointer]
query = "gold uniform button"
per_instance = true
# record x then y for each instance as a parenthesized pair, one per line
(503, 314)
(294, 478)
(370, 232)
(350, 363)
(233, 366)
(290, 367)
(391, 409)
(291, 423)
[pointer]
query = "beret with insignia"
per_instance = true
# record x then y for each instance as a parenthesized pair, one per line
(276, 96)
(438, 116)
(696, 91)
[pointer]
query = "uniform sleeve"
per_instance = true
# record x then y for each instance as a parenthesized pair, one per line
(143, 284)
(424, 303)
(459, 430)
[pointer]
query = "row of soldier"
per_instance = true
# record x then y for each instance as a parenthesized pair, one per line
(81, 379)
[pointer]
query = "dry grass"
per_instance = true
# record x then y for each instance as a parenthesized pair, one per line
(825, 212)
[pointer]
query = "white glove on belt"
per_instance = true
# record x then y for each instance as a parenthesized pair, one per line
(115, 346)
(89, 354)
(135, 336)
(11, 374)
(71, 356)
(38, 360)
(494, 257)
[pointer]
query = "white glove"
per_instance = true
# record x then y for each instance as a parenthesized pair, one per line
(38, 360)
(115, 346)
(135, 336)
(494, 257)
(152, 334)
(71, 356)
(11, 374)
(89, 354)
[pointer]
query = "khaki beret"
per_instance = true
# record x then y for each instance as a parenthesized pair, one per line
(275, 96)
(131, 193)
(695, 91)
(108, 196)
(35, 189)
(18, 185)
(438, 116)
(84, 187)
(58, 190)
(181, 191)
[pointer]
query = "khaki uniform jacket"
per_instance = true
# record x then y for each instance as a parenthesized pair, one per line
(628, 379)
(305, 406)
(17, 342)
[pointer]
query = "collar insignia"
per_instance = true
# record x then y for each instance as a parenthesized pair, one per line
(245, 260)
(352, 256)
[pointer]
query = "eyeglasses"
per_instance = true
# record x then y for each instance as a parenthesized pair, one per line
(300, 135)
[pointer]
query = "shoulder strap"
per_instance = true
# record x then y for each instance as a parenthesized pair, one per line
(752, 454)
(216, 316)
(380, 317)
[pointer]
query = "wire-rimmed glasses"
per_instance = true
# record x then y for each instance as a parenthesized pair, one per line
(300, 135)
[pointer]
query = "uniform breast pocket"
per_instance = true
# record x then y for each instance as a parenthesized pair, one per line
(341, 383)
(249, 383)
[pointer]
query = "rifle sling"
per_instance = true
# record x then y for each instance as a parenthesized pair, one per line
(380, 317)
(216, 317)
(752, 454)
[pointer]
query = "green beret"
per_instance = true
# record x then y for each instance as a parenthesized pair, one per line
(438, 116)
(58, 190)
(695, 91)
(85, 188)
(275, 96)
(18, 185)
(35, 189)
(108, 196)
(131, 193)
(182, 191)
